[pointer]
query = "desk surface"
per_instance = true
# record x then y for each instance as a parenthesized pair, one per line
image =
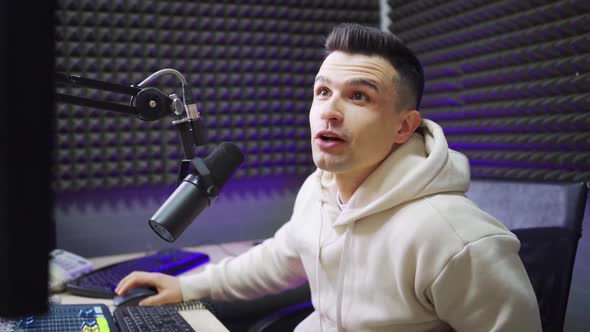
(201, 320)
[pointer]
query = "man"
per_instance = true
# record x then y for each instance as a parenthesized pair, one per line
(382, 230)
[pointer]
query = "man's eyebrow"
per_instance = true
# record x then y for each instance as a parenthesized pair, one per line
(362, 81)
(355, 81)
(322, 79)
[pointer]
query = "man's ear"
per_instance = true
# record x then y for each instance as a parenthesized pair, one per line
(410, 120)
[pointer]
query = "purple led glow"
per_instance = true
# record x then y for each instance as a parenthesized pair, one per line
(516, 164)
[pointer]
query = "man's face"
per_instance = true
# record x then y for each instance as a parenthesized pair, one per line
(354, 117)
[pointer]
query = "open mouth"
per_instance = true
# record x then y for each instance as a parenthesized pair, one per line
(329, 138)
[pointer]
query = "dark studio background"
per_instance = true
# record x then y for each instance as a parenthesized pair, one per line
(507, 80)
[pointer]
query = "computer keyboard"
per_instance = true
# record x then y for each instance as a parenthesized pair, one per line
(101, 283)
(155, 318)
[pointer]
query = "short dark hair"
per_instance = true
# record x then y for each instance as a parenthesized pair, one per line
(354, 38)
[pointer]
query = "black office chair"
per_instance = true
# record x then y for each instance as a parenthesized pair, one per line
(285, 319)
(277, 312)
(547, 218)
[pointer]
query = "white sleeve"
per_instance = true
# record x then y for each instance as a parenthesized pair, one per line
(485, 287)
(270, 267)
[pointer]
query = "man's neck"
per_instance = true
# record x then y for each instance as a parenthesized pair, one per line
(348, 183)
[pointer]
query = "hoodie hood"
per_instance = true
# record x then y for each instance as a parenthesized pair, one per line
(422, 166)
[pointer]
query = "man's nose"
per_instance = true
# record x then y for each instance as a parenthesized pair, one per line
(332, 110)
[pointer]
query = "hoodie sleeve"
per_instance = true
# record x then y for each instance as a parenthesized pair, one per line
(269, 267)
(485, 287)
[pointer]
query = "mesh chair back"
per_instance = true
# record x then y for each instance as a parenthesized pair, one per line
(547, 218)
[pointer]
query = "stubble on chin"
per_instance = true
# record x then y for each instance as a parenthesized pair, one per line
(328, 163)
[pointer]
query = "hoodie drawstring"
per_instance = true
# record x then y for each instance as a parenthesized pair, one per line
(341, 273)
(317, 264)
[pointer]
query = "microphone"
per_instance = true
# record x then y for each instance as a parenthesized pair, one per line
(196, 191)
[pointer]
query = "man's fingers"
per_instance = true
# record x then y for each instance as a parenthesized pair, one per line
(134, 279)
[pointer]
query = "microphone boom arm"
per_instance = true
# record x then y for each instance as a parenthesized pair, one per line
(147, 104)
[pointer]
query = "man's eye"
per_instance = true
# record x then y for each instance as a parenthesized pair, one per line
(359, 96)
(323, 92)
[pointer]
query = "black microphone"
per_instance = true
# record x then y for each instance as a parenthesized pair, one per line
(196, 191)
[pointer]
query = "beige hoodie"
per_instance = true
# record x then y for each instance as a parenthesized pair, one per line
(408, 253)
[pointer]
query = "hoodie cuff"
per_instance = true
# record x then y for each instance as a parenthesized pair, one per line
(195, 286)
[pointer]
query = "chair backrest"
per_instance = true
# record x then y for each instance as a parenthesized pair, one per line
(547, 218)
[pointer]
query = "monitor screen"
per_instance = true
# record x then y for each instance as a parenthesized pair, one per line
(26, 141)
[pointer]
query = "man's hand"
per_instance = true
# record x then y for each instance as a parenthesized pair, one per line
(168, 287)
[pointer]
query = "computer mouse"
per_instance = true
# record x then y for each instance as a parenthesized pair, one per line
(133, 296)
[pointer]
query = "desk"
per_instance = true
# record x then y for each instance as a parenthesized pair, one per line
(201, 320)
